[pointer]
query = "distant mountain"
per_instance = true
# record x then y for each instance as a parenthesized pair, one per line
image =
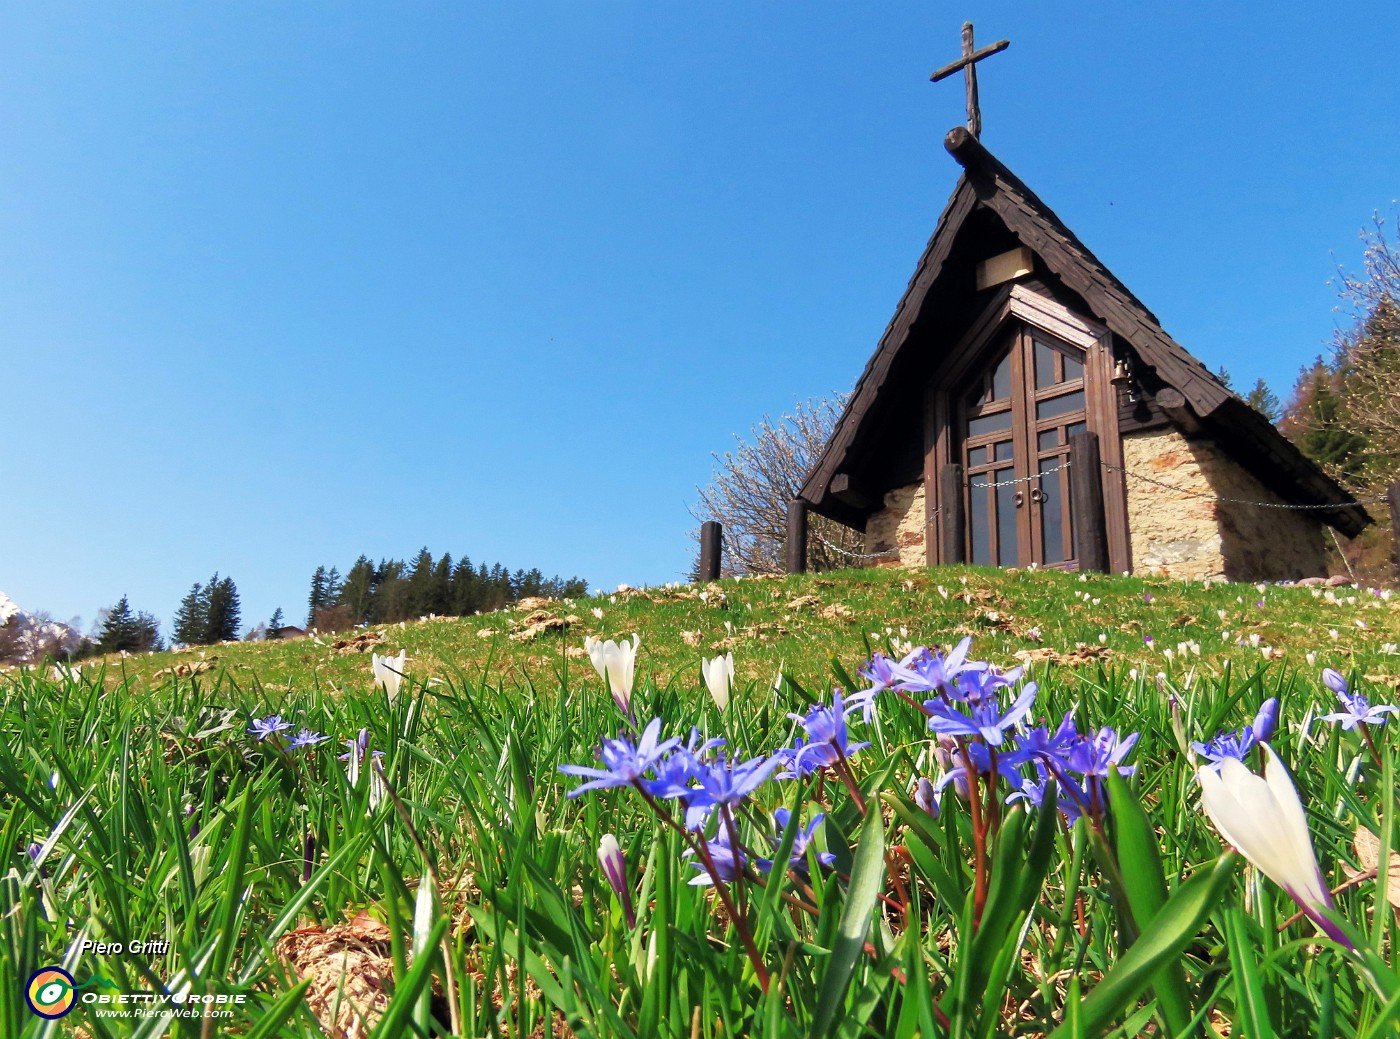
(25, 638)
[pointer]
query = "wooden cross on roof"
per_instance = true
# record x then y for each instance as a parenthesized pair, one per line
(968, 63)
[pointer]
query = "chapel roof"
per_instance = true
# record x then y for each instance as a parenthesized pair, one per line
(990, 201)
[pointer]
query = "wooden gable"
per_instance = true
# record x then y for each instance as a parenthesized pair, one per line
(887, 435)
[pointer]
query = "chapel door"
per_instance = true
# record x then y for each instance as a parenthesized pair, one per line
(1017, 415)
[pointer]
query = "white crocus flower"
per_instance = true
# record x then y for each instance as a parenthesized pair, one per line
(616, 665)
(719, 677)
(1263, 818)
(388, 672)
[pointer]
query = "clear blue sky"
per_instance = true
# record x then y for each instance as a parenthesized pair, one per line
(284, 283)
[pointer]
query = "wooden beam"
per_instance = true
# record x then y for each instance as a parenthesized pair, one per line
(1086, 490)
(795, 550)
(950, 499)
(1173, 402)
(710, 546)
(846, 489)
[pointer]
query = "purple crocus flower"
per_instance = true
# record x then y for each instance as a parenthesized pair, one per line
(269, 726)
(798, 860)
(624, 763)
(614, 865)
(984, 717)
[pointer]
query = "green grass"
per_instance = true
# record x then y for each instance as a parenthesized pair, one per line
(111, 772)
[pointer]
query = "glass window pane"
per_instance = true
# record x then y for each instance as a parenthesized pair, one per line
(1048, 441)
(1008, 550)
(979, 396)
(1078, 427)
(1073, 369)
(989, 423)
(980, 519)
(1061, 405)
(1003, 450)
(1044, 366)
(1001, 379)
(977, 456)
(1052, 515)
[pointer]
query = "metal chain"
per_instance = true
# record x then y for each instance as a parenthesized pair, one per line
(1025, 479)
(857, 555)
(1235, 501)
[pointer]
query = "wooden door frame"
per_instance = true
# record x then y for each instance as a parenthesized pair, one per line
(1017, 303)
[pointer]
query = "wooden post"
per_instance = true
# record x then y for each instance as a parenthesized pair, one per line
(950, 500)
(1086, 488)
(710, 541)
(1394, 496)
(796, 547)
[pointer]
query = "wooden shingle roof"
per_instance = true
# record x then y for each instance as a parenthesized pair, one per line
(986, 184)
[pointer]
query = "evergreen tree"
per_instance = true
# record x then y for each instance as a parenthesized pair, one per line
(320, 594)
(440, 592)
(276, 622)
(464, 593)
(1265, 401)
(333, 586)
(355, 592)
(1317, 423)
(224, 611)
(419, 593)
(148, 638)
(120, 631)
(192, 618)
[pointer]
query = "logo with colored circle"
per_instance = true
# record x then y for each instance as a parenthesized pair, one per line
(50, 992)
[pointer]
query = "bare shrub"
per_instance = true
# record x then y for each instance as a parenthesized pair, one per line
(752, 485)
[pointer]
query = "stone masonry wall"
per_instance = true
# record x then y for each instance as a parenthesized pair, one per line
(1178, 536)
(899, 525)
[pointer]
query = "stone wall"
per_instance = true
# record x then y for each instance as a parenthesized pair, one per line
(899, 525)
(1179, 536)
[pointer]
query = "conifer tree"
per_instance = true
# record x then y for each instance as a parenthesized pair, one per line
(120, 631)
(148, 634)
(320, 594)
(224, 612)
(356, 591)
(440, 592)
(192, 618)
(276, 622)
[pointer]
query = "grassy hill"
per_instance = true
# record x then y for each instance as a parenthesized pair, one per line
(421, 864)
(800, 624)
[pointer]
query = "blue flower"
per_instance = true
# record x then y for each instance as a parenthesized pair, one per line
(921, 671)
(729, 863)
(800, 842)
(1032, 791)
(984, 717)
(306, 738)
(827, 741)
(269, 726)
(1359, 711)
(926, 797)
(1096, 755)
(1238, 745)
(624, 763)
(727, 783)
